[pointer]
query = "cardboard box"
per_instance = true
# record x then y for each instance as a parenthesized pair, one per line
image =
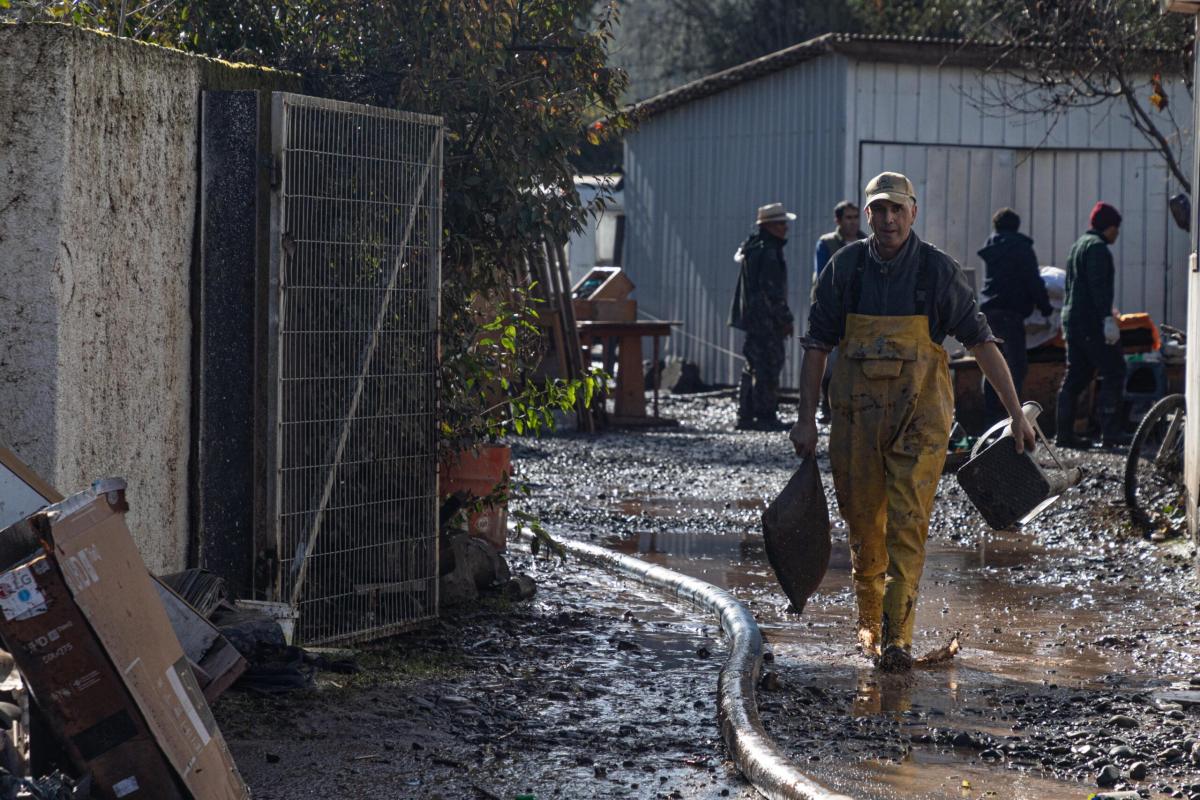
(79, 691)
(93, 586)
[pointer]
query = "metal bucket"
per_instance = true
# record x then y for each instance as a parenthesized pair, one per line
(1010, 488)
(796, 533)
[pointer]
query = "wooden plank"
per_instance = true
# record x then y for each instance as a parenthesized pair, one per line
(885, 103)
(908, 101)
(1041, 217)
(930, 99)
(958, 202)
(575, 361)
(931, 217)
(1157, 226)
(950, 111)
(979, 210)
(630, 399)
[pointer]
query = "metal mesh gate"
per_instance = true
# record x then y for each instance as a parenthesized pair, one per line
(356, 272)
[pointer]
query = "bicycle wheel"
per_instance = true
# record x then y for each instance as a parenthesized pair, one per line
(1154, 466)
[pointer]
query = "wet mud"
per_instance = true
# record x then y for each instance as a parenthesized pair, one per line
(1079, 635)
(594, 689)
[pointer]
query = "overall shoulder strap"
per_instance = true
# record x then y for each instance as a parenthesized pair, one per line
(856, 281)
(923, 288)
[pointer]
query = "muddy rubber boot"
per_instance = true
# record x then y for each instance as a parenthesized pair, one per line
(868, 641)
(870, 617)
(895, 659)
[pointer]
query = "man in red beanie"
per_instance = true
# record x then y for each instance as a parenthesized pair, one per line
(1090, 326)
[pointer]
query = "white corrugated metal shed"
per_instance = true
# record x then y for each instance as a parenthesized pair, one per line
(809, 125)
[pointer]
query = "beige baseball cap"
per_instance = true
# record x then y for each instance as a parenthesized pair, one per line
(891, 186)
(773, 212)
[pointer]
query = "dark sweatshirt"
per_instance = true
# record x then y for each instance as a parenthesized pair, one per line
(1014, 282)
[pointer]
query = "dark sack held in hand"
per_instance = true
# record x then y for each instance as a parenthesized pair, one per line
(796, 532)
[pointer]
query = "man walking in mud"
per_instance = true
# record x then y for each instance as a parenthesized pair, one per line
(887, 303)
(760, 309)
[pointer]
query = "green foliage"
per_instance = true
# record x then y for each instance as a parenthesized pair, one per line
(516, 81)
(542, 540)
(490, 377)
(931, 18)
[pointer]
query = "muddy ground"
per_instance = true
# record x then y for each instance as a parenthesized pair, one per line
(1079, 636)
(591, 689)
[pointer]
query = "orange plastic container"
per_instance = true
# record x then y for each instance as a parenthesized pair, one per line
(479, 474)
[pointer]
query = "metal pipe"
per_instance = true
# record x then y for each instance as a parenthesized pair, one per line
(766, 768)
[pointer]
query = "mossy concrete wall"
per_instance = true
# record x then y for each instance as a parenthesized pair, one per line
(99, 176)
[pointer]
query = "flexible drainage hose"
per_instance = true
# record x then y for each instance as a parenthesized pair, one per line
(767, 769)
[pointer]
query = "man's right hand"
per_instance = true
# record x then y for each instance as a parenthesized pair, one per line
(804, 437)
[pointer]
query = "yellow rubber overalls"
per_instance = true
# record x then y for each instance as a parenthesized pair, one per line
(893, 405)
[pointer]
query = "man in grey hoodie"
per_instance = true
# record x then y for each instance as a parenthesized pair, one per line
(1012, 289)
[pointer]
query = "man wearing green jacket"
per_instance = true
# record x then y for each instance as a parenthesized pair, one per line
(1091, 330)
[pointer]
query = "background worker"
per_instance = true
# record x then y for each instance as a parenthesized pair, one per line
(1091, 330)
(846, 217)
(1012, 290)
(887, 303)
(760, 309)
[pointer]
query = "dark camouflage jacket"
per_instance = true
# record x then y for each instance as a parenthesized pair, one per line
(760, 299)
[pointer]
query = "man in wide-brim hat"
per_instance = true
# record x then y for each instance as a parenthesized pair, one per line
(760, 309)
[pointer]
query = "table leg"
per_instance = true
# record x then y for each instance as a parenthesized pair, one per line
(657, 376)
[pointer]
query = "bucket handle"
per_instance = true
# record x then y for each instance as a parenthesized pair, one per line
(1031, 410)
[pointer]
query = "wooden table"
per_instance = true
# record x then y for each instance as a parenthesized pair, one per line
(626, 337)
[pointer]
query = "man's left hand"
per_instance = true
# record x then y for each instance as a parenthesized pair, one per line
(1023, 436)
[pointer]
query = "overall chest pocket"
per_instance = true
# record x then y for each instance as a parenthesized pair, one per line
(880, 357)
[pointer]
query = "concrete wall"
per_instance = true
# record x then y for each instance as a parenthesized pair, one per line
(98, 208)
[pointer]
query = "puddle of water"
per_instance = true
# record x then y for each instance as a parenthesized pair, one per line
(1013, 635)
(1014, 632)
(931, 775)
(682, 506)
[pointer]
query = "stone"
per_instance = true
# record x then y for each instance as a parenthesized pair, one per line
(1122, 721)
(1107, 776)
(457, 588)
(1137, 771)
(520, 587)
(1169, 755)
(1121, 751)
(481, 562)
(1184, 698)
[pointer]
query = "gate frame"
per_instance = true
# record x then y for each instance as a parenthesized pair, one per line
(276, 316)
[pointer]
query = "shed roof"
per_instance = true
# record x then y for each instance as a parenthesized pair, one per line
(904, 49)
